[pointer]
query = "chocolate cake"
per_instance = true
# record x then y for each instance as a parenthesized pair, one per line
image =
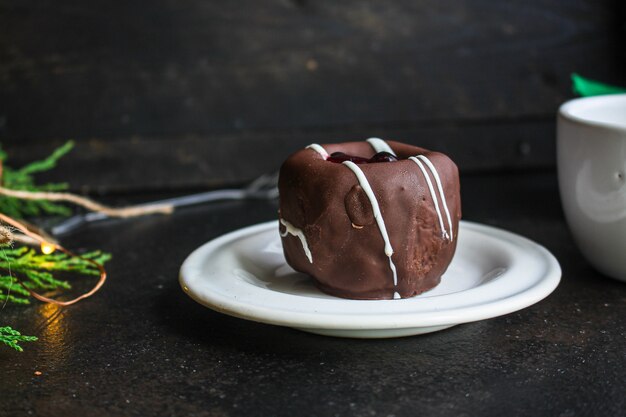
(371, 219)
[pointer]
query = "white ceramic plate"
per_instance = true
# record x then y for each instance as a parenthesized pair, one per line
(244, 274)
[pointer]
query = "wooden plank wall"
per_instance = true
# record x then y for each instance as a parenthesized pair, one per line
(170, 94)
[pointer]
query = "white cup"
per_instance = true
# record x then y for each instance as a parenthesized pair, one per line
(591, 160)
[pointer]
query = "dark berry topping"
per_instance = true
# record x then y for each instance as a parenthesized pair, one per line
(339, 157)
(383, 157)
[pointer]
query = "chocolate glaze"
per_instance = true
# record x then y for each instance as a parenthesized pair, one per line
(324, 200)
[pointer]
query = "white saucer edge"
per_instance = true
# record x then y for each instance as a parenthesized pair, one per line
(427, 323)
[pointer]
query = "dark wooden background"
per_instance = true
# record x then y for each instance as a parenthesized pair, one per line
(167, 94)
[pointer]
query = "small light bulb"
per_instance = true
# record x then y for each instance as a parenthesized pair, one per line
(47, 248)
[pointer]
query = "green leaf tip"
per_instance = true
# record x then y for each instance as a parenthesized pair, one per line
(586, 87)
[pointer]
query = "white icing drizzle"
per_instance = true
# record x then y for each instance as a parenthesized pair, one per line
(432, 193)
(319, 149)
(290, 229)
(380, 145)
(377, 214)
(440, 188)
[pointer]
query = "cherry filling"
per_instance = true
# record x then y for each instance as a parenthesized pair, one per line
(383, 157)
(339, 157)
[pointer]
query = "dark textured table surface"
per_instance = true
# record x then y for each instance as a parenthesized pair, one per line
(141, 347)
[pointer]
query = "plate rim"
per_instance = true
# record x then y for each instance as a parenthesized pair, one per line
(543, 287)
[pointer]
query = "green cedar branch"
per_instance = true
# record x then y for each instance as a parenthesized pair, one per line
(22, 179)
(12, 338)
(36, 271)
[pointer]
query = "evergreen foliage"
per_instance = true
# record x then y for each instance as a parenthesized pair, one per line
(12, 338)
(22, 179)
(36, 271)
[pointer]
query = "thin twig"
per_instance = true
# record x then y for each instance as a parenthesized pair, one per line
(131, 211)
